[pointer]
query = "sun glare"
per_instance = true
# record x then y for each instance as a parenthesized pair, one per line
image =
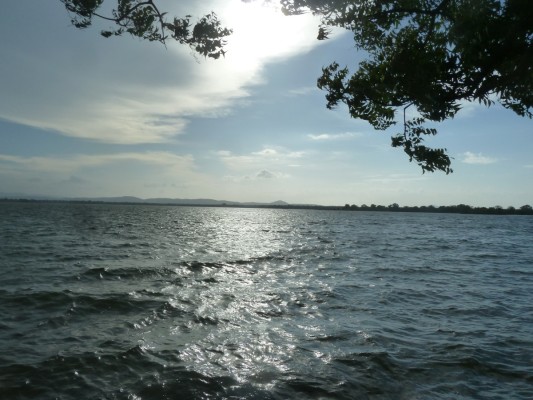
(261, 32)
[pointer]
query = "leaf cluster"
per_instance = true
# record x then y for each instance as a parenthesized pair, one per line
(411, 140)
(142, 19)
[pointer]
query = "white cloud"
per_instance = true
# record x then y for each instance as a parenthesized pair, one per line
(472, 158)
(334, 136)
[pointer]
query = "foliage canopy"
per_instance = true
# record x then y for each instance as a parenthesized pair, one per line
(432, 55)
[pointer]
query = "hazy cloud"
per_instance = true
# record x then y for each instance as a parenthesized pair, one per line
(76, 180)
(260, 160)
(126, 173)
(76, 162)
(469, 108)
(334, 136)
(266, 153)
(264, 174)
(389, 179)
(302, 91)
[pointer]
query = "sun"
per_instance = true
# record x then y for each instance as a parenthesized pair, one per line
(261, 32)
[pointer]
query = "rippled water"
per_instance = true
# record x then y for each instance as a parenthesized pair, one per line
(153, 302)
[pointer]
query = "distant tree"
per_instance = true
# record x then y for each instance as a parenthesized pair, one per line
(143, 19)
(463, 208)
(526, 209)
(428, 55)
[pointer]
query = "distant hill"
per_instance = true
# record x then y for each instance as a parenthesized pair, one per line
(133, 199)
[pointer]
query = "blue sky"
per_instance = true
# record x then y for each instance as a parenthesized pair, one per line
(81, 115)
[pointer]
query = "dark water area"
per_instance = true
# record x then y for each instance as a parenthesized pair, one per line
(154, 302)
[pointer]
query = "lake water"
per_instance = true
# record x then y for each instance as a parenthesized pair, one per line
(155, 302)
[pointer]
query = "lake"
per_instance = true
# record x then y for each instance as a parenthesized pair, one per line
(104, 301)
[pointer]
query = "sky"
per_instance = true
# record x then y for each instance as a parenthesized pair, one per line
(85, 116)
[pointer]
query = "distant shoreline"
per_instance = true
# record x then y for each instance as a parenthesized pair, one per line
(455, 209)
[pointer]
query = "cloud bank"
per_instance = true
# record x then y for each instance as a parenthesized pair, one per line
(124, 91)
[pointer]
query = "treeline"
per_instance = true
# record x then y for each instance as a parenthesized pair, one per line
(459, 209)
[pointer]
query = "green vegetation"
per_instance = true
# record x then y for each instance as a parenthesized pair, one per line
(427, 56)
(458, 209)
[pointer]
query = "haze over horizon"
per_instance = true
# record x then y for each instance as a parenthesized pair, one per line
(84, 116)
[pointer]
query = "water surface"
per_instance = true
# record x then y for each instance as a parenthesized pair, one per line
(155, 302)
